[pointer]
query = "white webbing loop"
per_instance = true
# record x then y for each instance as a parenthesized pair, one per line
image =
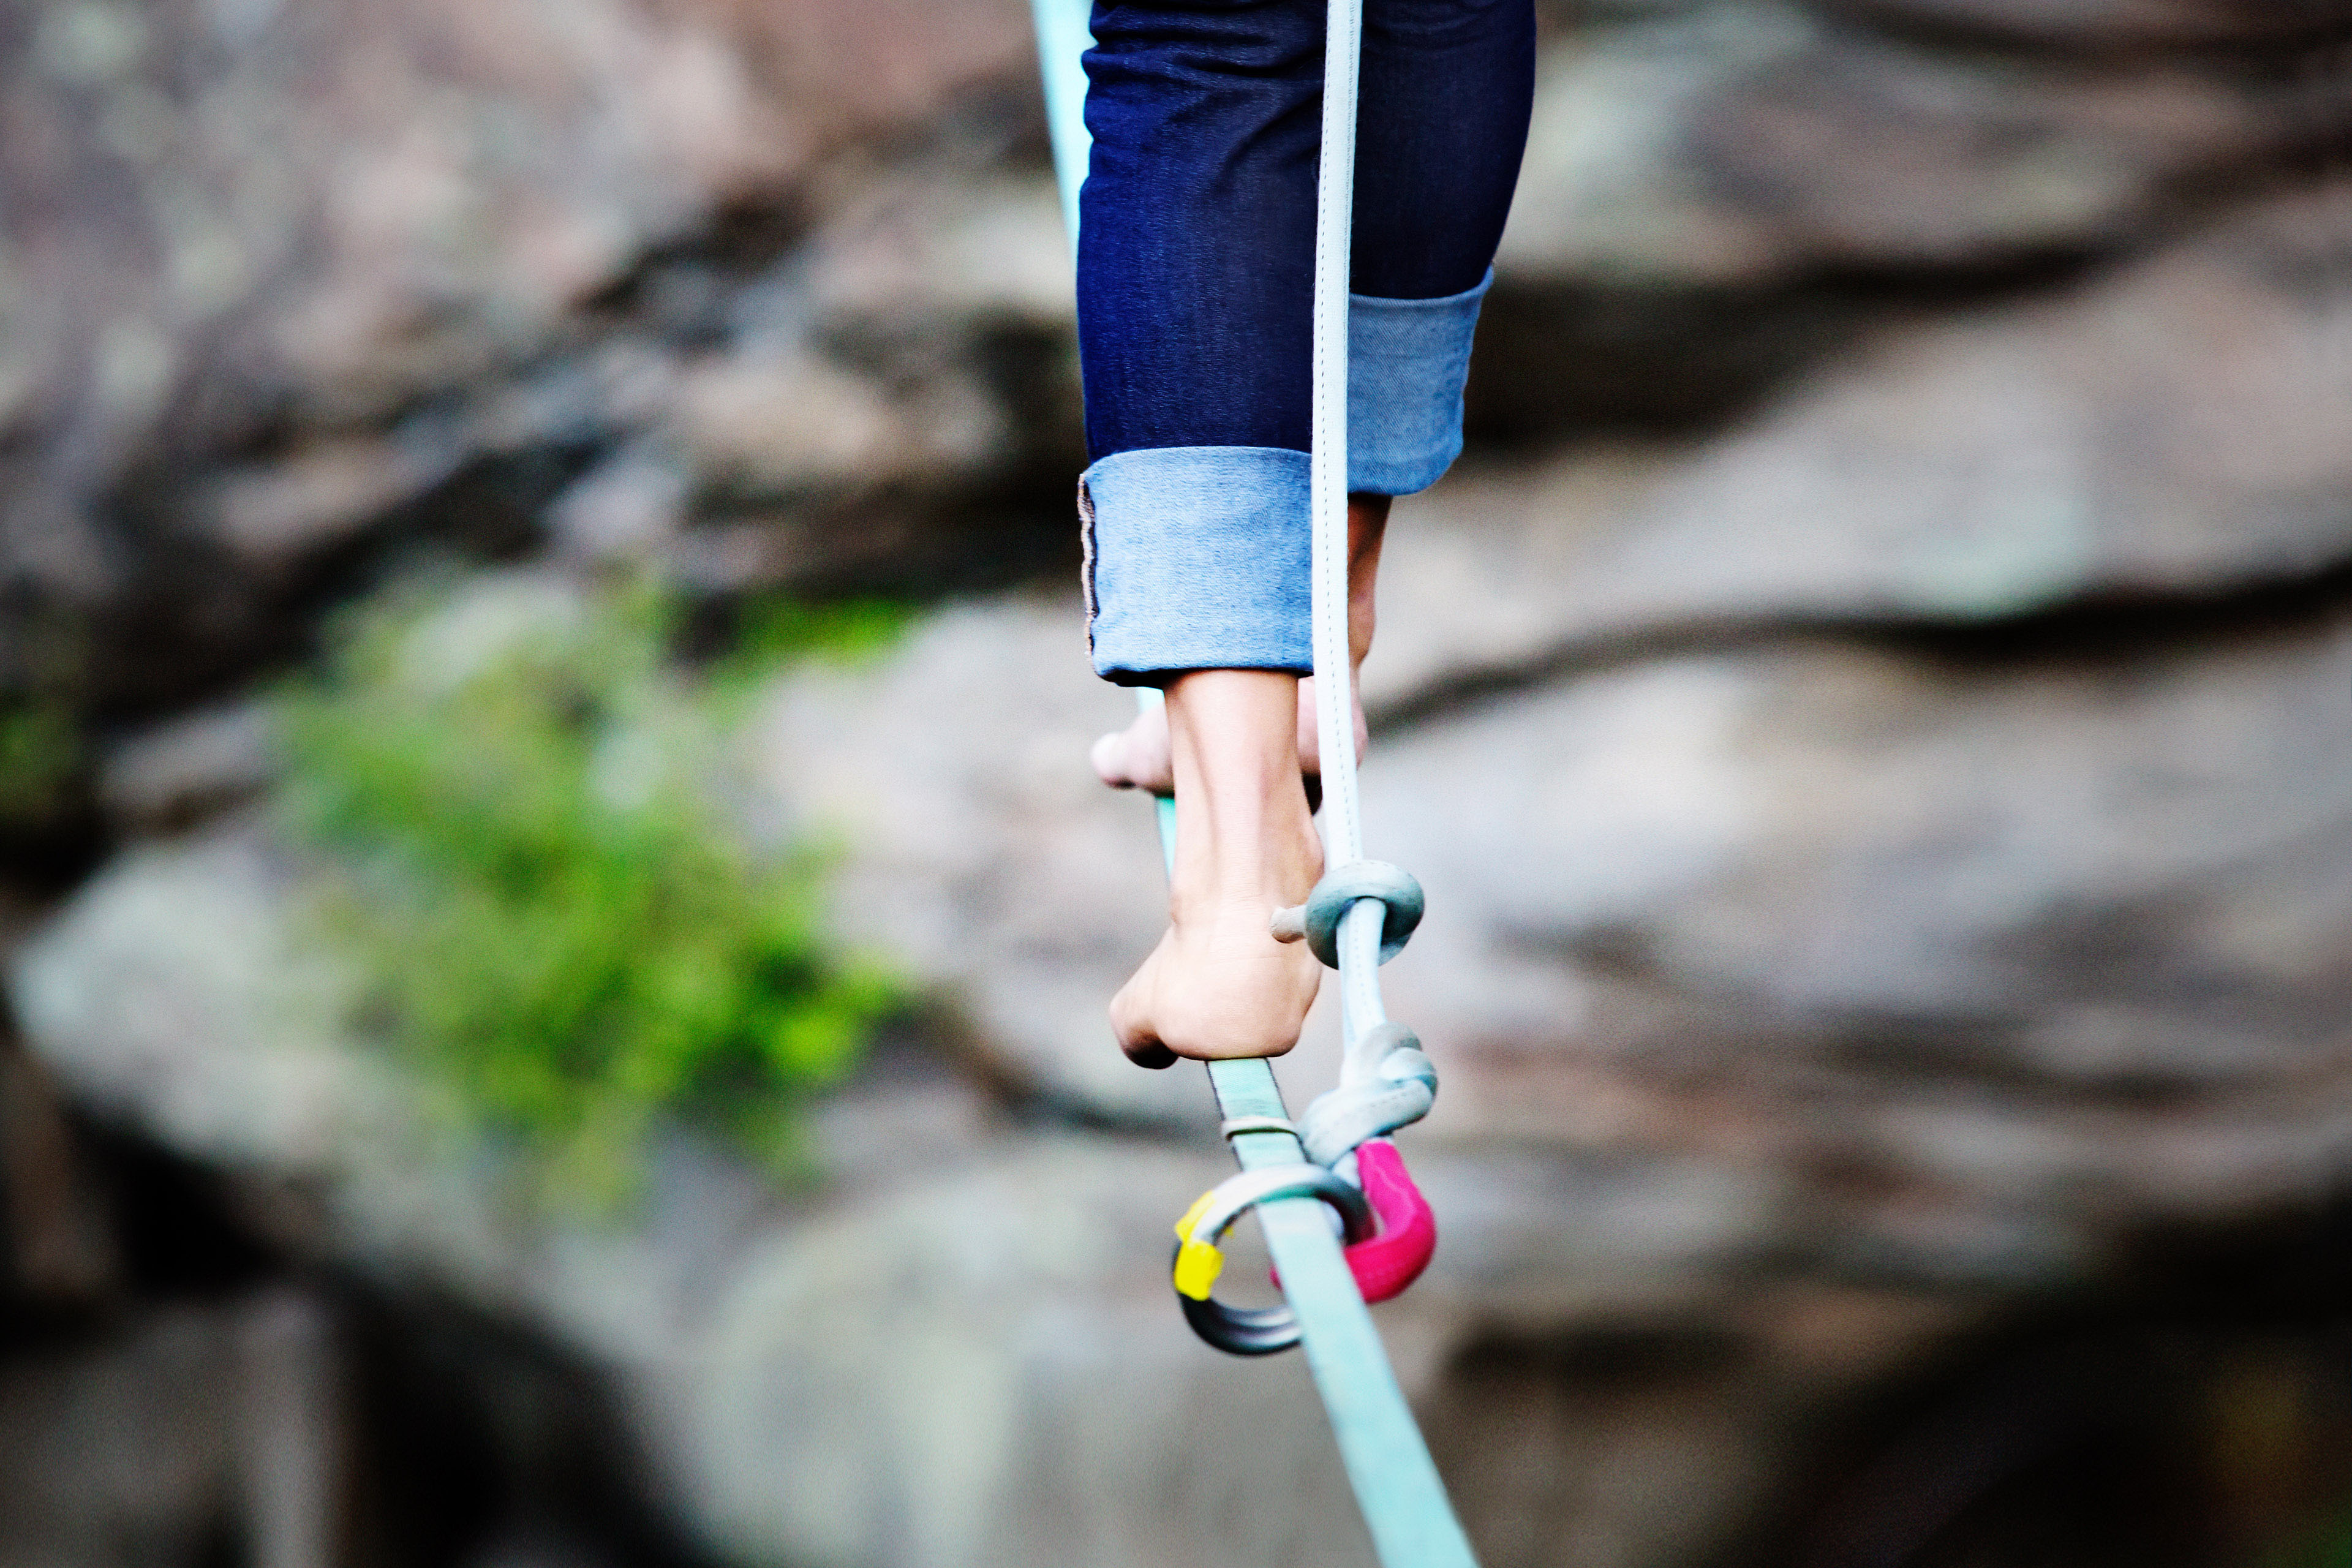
(1385, 1083)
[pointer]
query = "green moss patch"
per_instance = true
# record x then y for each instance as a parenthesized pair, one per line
(520, 802)
(40, 762)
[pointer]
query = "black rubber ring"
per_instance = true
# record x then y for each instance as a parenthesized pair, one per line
(1240, 1330)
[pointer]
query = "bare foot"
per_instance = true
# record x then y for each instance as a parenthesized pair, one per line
(1138, 757)
(1218, 984)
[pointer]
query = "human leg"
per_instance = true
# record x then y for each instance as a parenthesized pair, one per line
(1195, 278)
(1139, 757)
(1218, 984)
(1447, 90)
(1196, 264)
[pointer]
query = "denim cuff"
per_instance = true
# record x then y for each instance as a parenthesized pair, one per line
(1407, 360)
(1197, 558)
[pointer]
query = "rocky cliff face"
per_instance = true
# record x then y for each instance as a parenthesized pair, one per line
(289, 283)
(1872, 712)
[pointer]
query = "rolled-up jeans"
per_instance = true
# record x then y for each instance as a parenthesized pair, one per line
(1196, 263)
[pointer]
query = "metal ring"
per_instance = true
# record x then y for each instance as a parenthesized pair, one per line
(1233, 1127)
(1263, 1331)
(1337, 893)
(1244, 1190)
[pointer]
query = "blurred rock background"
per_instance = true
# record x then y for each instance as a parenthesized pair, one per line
(1872, 711)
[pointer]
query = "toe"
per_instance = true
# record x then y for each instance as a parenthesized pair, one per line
(1109, 758)
(1135, 1035)
(1149, 1054)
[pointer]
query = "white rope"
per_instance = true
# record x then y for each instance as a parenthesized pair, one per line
(1361, 1011)
(1335, 194)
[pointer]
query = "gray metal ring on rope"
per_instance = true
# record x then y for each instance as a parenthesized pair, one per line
(1337, 893)
(1262, 1330)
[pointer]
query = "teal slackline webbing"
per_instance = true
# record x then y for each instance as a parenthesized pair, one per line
(1404, 1504)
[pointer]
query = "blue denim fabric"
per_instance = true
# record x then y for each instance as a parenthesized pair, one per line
(1197, 558)
(1196, 251)
(1407, 361)
(1196, 272)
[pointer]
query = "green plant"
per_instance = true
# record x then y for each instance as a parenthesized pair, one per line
(532, 870)
(40, 757)
(772, 631)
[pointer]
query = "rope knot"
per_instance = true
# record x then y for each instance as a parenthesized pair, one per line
(1386, 1082)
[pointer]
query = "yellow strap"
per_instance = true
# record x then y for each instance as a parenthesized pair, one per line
(1184, 1222)
(1198, 1264)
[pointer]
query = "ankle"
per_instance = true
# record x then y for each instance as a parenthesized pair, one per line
(1270, 867)
(1242, 833)
(1368, 520)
